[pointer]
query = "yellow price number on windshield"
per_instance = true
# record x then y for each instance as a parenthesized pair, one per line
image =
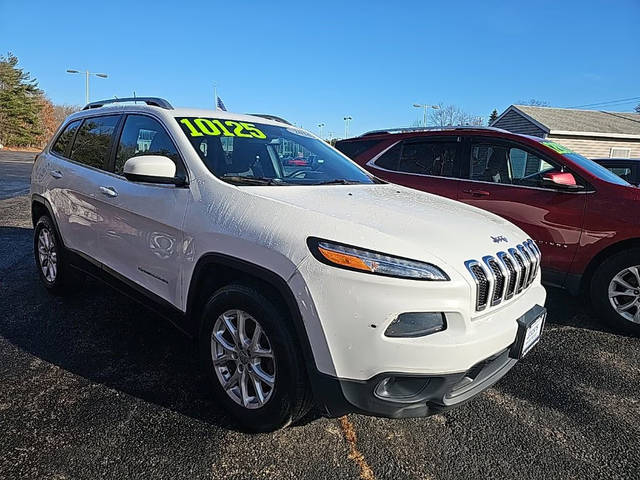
(199, 127)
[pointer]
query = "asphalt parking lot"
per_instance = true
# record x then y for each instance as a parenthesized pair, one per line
(95, 385)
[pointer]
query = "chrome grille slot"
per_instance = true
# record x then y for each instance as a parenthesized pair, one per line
(507, 274)
(512, 280)
(528, 264)
(499, 279)
(519, 264)
(536, 257)
(483, 283)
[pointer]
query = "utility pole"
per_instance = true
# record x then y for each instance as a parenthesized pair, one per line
(87, 73)
(347, 120)
(424, 107)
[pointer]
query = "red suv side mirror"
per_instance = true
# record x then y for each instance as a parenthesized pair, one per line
(562, 180)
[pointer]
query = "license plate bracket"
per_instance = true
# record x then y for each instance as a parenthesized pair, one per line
(530, 327)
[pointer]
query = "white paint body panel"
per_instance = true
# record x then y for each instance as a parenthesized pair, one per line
(151, 232)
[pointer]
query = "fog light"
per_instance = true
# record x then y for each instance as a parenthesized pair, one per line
(399, 388)
(416, 324)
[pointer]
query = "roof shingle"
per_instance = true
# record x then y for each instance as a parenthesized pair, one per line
(565, 119)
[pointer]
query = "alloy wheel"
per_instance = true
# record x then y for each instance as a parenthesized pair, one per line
(48, 254)
(243, 359)
(624, 293)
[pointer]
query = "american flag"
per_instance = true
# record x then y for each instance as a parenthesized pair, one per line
(220, 104)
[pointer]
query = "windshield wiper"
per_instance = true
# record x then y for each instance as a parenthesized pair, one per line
(339, 181)
(240, 180)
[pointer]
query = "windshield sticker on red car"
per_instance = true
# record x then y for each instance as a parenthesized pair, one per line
(200, 127)
(556, 147)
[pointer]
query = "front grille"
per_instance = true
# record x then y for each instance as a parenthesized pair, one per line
(507, 274)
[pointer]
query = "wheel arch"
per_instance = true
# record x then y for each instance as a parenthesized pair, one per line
(214, 270)
(605, 253)
(41, 206)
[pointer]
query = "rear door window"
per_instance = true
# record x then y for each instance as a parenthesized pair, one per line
(433, 157)
(63, 142)
(93, 141)
(428, 158)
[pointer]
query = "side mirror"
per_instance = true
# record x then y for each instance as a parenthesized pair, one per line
(561, 180)
(152, 169)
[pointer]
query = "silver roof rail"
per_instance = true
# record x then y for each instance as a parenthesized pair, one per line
(154, 101)
(270, 117)
(430, 129)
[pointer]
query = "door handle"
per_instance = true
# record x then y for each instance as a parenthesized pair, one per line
(109, 191)
(477, 193)
(55, 173)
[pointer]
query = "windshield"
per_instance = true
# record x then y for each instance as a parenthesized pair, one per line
(590, 166)
(257, 154)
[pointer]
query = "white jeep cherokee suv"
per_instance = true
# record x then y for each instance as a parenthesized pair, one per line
(301, 276)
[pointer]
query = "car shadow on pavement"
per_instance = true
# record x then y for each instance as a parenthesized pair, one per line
(569, 311)
(103, 336)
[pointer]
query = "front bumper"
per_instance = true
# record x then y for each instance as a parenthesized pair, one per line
(418, 395)
(346, 315)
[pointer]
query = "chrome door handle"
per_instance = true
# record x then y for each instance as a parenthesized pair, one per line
(55, 173)
(109, 191)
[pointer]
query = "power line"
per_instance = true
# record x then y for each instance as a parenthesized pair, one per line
(610, 102)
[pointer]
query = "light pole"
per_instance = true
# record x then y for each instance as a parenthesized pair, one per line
(425, 106)
(347, 119)
(86, 82)
(321, 126)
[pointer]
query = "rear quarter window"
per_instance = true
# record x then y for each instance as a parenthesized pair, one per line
(63, 142)
(353, 149)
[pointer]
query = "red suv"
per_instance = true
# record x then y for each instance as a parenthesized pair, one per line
(585, 219)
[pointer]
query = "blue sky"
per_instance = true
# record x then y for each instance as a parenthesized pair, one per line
(316, 62)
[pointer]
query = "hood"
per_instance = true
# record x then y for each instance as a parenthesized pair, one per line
(396, 220)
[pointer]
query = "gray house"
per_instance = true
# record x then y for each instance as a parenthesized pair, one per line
(594, 134)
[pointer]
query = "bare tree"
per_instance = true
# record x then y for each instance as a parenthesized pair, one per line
(452, 115)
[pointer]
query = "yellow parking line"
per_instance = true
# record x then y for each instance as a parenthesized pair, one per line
(354, 454)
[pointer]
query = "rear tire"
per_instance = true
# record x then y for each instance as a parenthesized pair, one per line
(615, 290)
(50, 257)
(258, 374)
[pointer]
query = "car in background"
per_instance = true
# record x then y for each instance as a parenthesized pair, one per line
(626, 168)
(584, 218)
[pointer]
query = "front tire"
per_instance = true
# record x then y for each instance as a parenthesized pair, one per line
(615, 290)
(50, 258)
(249, 353)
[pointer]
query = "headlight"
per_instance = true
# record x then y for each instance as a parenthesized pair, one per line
(361, 260)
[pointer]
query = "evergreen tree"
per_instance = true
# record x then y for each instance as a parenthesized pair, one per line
(493, 117)
(20, 105)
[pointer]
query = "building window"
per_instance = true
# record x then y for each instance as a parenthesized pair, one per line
(617, 152)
